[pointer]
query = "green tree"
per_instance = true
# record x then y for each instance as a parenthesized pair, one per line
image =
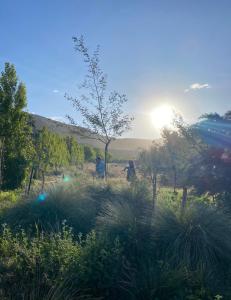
(15, 131)
(60, 156)
(51, 152)
(89, 153)
(103, 115)
(43, 152)
(76, 152)
(179, 156)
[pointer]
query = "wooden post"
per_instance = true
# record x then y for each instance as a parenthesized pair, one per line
(105, 160)
(43, 180)
(184, 197)
(30, 181)
(1, 161)
(154, 186)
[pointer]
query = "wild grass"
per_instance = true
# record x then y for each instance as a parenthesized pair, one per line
(117, 247)
(66, 202)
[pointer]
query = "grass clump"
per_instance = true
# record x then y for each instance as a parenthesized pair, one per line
(118, 248)
(76, 206)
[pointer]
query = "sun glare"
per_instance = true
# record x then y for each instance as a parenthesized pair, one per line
(162, 116)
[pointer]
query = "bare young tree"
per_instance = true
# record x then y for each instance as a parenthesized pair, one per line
(102, 113)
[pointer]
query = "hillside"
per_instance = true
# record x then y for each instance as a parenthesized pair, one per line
(123, 148)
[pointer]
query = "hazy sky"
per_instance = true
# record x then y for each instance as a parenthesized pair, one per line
(175, 52)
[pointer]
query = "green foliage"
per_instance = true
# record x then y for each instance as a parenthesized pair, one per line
(198, 238)
(51, 151)
(178, 156)
(11, 196)
(100, 266)
(89, 153)
(15, 170)
(76, 152)
(128, 215)
(8, 199)
(15, 133)
(39, 266)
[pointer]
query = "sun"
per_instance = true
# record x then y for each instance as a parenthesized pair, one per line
(162, 116)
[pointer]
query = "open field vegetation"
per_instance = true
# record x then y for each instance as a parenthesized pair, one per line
(94, 240)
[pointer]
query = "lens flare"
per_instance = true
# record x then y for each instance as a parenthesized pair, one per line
(42, 197)
(215, 133)
(66, 179)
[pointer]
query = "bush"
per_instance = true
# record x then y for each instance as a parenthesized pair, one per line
(78, 205)
(101, 266)
(8, 199)
(128, 216)
(48, 211)
(56, 265)
(9, 196)
(35, 264)
(198, 240)
(170, 254)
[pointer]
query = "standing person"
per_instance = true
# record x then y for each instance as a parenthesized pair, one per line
(131, 172)
(99, 167)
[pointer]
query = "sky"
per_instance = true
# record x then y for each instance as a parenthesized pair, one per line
(174, 52)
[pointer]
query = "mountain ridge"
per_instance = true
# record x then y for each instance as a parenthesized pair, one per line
(122, 147)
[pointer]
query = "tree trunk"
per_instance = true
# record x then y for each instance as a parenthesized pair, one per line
(175, 179)
(184, 198)
(43, 180)
(1, 161)
(105, 160)
(154, 186)
(30, 181)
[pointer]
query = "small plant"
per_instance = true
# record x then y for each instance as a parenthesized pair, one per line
(11, 196)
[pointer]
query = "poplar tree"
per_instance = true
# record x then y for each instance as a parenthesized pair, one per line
(15, 131)
(76, 152)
